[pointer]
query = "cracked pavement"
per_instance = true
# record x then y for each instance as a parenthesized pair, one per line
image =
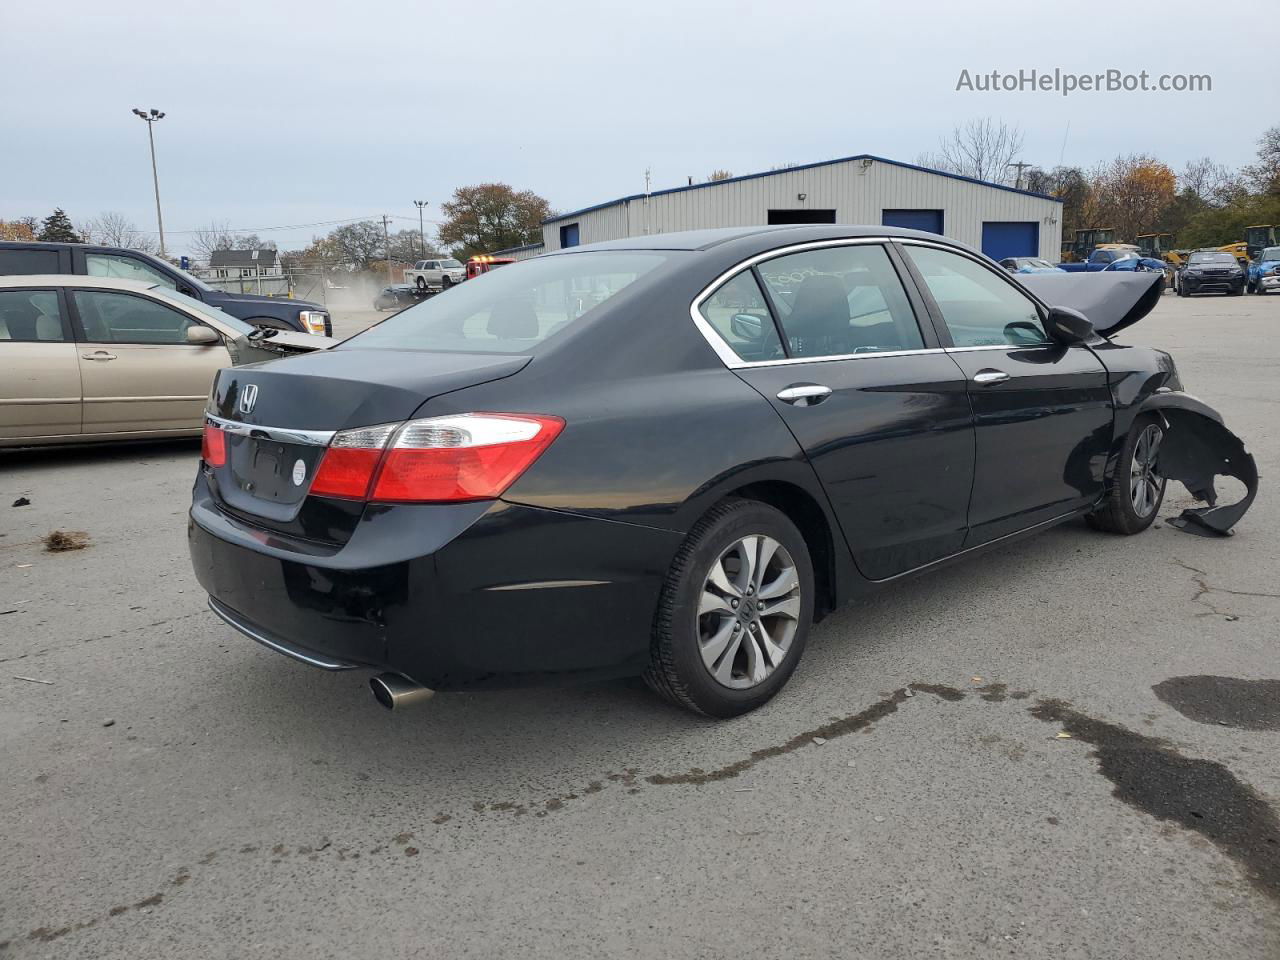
(972, 764)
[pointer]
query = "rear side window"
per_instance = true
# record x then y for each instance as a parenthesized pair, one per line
(110, 317)
(31, 316)
(17, 263)
(979, 307)
(738, 312)
(841, 300)
(512, 311)
(129, 268)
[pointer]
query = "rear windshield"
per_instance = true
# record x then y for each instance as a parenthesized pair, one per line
(511, 311)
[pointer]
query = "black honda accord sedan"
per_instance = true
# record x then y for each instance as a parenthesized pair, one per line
(669, 456)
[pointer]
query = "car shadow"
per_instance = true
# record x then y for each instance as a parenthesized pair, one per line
(88, 454)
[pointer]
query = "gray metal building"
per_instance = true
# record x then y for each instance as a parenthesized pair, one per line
(999, 220)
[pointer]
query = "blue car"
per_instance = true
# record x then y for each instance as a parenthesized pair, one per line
(1141, 265)
(1264, 273)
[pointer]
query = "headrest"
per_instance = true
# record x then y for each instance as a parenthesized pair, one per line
(513, 320)
(821, 308)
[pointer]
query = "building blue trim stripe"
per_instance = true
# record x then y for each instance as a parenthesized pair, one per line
(803, 166)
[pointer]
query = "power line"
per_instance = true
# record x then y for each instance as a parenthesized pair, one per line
(291, 226)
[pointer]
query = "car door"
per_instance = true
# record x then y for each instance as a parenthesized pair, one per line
(39, 373)
(1042, 411)
(879, 409)
(138, 371)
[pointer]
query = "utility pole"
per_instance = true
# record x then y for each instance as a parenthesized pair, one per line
(386, 241)
(1021, 166)
(151, 119)
(422, 237)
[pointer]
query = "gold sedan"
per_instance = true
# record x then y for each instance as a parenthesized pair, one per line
(98, 358)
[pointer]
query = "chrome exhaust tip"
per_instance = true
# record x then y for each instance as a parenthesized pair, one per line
(394, 691)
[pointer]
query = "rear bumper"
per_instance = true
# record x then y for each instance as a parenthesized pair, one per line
(500, 595)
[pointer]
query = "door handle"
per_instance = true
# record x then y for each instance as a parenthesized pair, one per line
(988, 377)
(99, 355)
(804, 394)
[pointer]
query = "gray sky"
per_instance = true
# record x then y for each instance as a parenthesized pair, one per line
(291, 113)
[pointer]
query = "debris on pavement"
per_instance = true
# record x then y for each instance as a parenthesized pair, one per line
(108, 722)
(21, 502)
(60, 541)
(33, 680)
(819, 740)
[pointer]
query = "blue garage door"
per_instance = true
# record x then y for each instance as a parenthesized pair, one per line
(1011, 238)
(930, 220)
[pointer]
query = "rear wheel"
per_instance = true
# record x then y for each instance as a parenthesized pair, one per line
(735, 612)
(1138, 488)
(422, 284)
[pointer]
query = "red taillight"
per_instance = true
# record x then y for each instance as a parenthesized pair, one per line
(346, 473)
(213, 446)
(473, 456)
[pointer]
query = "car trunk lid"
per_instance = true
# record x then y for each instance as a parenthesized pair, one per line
(276, 420)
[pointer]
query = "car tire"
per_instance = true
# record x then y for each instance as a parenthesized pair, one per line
(1126, 510)
(421, 283)
(446, 282)
(1236, 291)
(1182, 291)
(707, 619)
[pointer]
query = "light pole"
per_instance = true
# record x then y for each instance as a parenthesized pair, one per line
(422, 237)
(151, 118)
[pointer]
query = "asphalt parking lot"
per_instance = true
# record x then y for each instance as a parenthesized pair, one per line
(1020, 756)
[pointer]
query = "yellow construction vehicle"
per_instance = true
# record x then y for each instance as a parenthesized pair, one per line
(1258, 237)
(1086, 242)
(1238, 250)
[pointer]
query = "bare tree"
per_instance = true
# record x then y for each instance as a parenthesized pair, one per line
(715, 175)
(981, 148)
(1210, 182)
(114, 229)
(220, 236)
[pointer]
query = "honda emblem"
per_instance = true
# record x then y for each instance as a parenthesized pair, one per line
(248, 397)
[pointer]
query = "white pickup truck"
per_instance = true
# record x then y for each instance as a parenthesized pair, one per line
(439, 274)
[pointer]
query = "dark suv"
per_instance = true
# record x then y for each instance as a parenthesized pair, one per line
(20, 258)
(1210, 271)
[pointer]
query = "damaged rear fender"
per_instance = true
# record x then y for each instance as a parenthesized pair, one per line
(1197, 447)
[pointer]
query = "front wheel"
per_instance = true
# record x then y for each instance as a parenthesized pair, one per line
(735, 611)
(1138, 487)
(446, 283)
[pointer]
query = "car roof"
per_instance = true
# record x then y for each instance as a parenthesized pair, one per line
(72, 280)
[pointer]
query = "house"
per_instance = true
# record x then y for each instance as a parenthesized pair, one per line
(243, 264)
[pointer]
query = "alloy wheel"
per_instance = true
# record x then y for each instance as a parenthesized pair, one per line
(1145, 482)
(748, 612)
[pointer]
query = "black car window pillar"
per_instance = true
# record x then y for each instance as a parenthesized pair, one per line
(773, 310)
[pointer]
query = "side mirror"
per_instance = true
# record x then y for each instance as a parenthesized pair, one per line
(202, 336)
(746, 327)
(1067, 326)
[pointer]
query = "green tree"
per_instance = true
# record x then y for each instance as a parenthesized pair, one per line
(491, 216)
(57, 228)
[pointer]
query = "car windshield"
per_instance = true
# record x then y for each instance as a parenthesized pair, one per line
(226, 319)
(1033, 262)
(511, 311)
(1212, 258)
(1271, 253)
(451, 264)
